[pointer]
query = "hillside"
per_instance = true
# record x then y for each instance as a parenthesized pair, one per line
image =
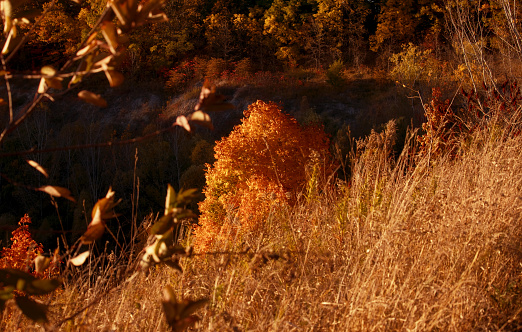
(260, 165)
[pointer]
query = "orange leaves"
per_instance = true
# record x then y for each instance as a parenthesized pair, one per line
(259, 165)
(23, 250)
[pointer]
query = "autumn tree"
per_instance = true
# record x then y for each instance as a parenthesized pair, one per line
(261, 164)
(401, 22)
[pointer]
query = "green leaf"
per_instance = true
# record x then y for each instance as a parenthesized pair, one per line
(162, 225)
(42, 286)
(6, 293)
(32, 309)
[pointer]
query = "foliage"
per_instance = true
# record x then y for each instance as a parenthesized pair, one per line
(413, 65)
(334, 74)
(23, 250)
(495, 107)
(260, 165)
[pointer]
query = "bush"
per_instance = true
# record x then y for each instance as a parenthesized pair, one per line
(261, 164)
(23, 250)
(334, 74)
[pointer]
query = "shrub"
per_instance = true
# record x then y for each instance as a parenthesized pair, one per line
(334, 74)
(23, 250)
(261, 164)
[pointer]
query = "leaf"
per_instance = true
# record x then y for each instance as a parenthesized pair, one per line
(183, 122)
(13, 39)
(80, 259)
(92, 98)
(170, 199)
(6, 293)
(150, 9)
(162, 225)
(185, 196)
(103, 208)
(114, 77)
(33, 310)
(184, 214)
(111, 36)
(93, 233)
(41, 263)
(42, 87)
(42, 286)
(57, 192)
(54, 82)
(209, 100)
(38, 167)
(179, 315)
(202, 119)
(48, 71)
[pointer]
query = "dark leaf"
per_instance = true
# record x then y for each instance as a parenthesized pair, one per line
(32, 309)
(174, 264)
(93, 233)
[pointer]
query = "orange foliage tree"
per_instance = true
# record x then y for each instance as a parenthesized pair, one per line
(260, 165)
(23, 248)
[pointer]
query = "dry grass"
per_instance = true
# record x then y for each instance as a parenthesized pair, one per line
(434, 245)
